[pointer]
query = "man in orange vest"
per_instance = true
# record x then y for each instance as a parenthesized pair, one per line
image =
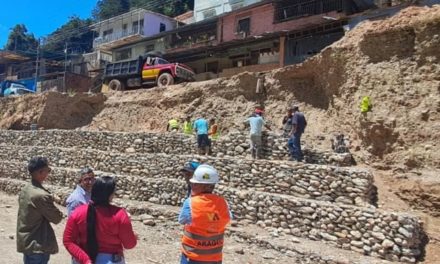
(205, 216)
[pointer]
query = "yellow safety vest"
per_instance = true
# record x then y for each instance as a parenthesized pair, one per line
(187, 128)
(365, 104)
(173, 123)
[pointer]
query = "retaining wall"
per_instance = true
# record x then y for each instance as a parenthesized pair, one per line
(369, 231)
(234, 144)
(321, 182)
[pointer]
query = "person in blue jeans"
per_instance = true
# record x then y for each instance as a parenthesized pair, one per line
(299, 124)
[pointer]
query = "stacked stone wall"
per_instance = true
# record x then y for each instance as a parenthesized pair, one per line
(320, 182)
(369, 231)
(318, 202)
(235, 144)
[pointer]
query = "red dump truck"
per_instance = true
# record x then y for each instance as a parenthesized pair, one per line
(148, 70)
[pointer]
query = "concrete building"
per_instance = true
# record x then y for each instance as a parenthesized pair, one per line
(129, 27)
(116, 37)
(259, 36)
(205, 9)
(262, 36)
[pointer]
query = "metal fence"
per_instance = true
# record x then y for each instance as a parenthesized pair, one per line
(290, 11)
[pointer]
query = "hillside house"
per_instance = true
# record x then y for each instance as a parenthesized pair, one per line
(262, 36)
(116, 37)
(206, 9)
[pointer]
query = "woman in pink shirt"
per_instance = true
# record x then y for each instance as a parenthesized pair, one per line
(99, 232)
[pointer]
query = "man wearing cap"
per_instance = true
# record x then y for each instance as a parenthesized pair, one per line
(256, 123)
(81, 194)
(299, 124)
(205, 216)
(187, 172)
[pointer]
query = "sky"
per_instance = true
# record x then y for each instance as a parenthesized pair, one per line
(41, 17)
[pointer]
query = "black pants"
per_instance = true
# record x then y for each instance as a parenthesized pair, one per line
(203, 141)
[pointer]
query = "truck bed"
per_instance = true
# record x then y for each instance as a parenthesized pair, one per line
(123, 68)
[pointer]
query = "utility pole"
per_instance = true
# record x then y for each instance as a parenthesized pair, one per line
(65, 68)
(37, 62)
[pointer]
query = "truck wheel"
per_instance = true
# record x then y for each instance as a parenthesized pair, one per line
(116, 85)
(165, 79)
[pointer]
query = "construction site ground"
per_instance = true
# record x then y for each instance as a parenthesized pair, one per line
(398, 141)
(160, 243)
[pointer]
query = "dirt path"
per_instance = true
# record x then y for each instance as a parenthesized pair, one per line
(158, 244)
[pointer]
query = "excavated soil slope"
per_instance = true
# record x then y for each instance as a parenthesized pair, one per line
(49, 110)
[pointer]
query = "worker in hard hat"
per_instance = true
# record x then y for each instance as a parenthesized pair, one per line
(173, 125)
(205, 216)
(187, 172)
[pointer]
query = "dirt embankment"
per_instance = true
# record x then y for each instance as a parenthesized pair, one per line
(49, 110)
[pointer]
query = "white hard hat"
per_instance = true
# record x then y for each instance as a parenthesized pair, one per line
(205, 174)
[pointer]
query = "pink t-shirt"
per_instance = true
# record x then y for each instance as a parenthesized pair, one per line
(114, 232)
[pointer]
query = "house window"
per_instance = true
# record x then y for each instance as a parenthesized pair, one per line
(123, 54)
(162, 27)
(107, 33)
(149, 48)
(209, 13)
(236, 4)
(138, 27)
(124, 29)
(244, 25)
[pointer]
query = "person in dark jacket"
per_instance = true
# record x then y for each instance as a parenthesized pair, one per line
(299, 124)
(36, 210)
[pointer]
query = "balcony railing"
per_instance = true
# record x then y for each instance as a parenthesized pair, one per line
(116, 36)
(307, 9)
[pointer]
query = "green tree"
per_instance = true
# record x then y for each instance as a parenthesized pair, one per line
(105, 9)
(20, 40)
(76, 33)
(170, 8)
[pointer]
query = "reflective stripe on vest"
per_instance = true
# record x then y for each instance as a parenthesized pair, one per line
(203, 239)
(197, 251)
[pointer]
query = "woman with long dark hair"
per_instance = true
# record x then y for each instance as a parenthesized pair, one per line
(98, 233)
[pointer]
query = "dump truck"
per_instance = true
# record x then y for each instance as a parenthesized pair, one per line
(145, 71)
(8, 88)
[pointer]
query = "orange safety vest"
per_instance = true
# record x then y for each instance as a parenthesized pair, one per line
(203, 239)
